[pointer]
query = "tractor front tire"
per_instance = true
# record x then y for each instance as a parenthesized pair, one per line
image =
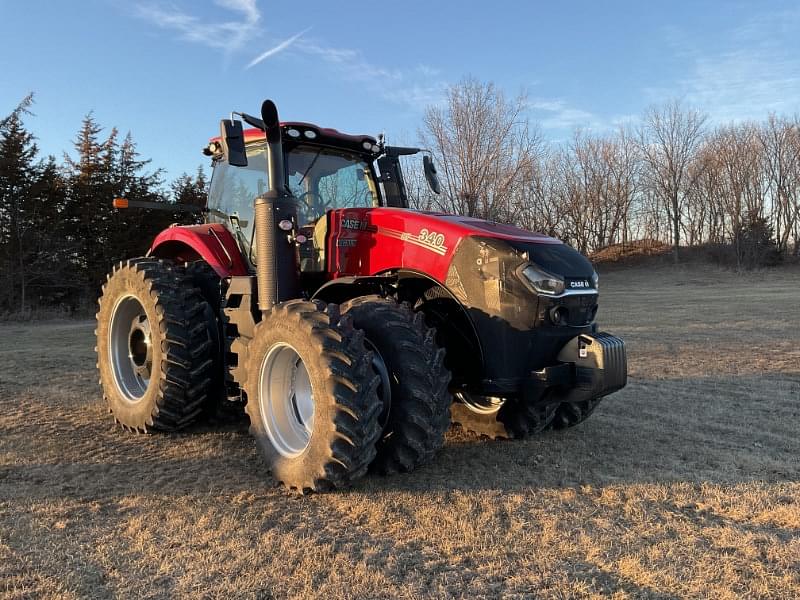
(412, 366)
(311, 396)
(569, 414)
(153, 347)
(501, 419)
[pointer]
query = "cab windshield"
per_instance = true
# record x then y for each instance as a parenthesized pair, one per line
(320, 178)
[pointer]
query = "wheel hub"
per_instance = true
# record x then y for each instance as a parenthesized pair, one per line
(482, 405)
(130, 348)
(286, 400)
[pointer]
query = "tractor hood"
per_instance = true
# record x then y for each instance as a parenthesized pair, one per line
(548, 253)
(371, 241)
(485, 228)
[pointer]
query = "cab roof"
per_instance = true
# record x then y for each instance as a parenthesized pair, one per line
(254, 135)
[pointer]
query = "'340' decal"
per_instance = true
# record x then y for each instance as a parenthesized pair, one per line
(430, 240)
(433, 240)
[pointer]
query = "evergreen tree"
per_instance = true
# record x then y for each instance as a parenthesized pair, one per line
(191, 190)
(88, 210)
(27, 212)
(50, 268)
(59, 233)
(755, 244)
(132, 231)
(104, 170)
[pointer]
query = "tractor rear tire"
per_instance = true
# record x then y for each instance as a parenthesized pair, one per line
(153, 347)
(413, 367)
(505, 419)
(218, 409)
(205, 278)
(311, 396)
(569, 414)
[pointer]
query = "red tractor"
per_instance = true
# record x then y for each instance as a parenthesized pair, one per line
(351, 327)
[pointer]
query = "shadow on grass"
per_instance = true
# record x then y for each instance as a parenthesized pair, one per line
(718, 430)
(697, 431)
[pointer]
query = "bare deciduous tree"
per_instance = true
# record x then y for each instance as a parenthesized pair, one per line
(485, 149)
(670, 137)
(780, 139)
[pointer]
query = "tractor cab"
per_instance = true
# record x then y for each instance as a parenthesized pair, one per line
(325, 170)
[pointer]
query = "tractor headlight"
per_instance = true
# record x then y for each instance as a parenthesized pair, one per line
(542, 281)
(596, 280)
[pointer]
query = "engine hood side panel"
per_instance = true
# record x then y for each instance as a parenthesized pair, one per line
(366, 241)
(369, 241)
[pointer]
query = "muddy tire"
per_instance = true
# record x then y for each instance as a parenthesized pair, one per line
(153, 346)
(311, 396)
(499, 419)
(569, 414)
(413, 365)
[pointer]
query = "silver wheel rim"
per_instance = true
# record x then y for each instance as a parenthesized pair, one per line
(130, 348)
(286, 400)
(482, 405)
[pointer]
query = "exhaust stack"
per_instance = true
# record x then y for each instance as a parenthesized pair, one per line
(277, 268)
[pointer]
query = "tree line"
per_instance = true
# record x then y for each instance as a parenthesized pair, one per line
(59, 233)
(671, 178)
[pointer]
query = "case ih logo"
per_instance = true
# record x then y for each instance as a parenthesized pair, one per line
(355, 224)
(580, 284)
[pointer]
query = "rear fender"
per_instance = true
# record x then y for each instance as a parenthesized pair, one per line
(212, 243)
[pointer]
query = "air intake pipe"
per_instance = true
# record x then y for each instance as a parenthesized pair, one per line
(277, 267)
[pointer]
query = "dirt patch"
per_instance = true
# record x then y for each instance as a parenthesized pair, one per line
(686, 483)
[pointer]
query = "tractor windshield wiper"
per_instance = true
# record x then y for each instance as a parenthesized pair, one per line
(311, 166)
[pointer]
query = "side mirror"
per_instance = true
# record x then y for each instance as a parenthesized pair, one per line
(430, 174)
(232, 138)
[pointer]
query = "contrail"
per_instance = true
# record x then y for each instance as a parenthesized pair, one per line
(273, 51)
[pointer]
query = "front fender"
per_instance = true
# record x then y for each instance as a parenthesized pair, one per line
(341, 289)
(212, 243)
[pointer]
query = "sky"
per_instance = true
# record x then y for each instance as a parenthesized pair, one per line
(168, 70)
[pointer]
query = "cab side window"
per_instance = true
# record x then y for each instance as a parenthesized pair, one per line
(233, 190)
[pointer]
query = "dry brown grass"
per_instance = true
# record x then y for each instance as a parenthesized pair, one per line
(685, 484)
(636, 249)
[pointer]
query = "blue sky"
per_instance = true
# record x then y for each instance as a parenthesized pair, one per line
(168, 70)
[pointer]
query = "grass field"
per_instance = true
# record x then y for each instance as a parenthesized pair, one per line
(685, 484)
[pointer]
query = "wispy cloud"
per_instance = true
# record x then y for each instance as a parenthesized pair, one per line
(413, 87)
(247, 7)
(557, 114)
(227, 35)
(276, 49)
(416, 87)
(752, 71)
